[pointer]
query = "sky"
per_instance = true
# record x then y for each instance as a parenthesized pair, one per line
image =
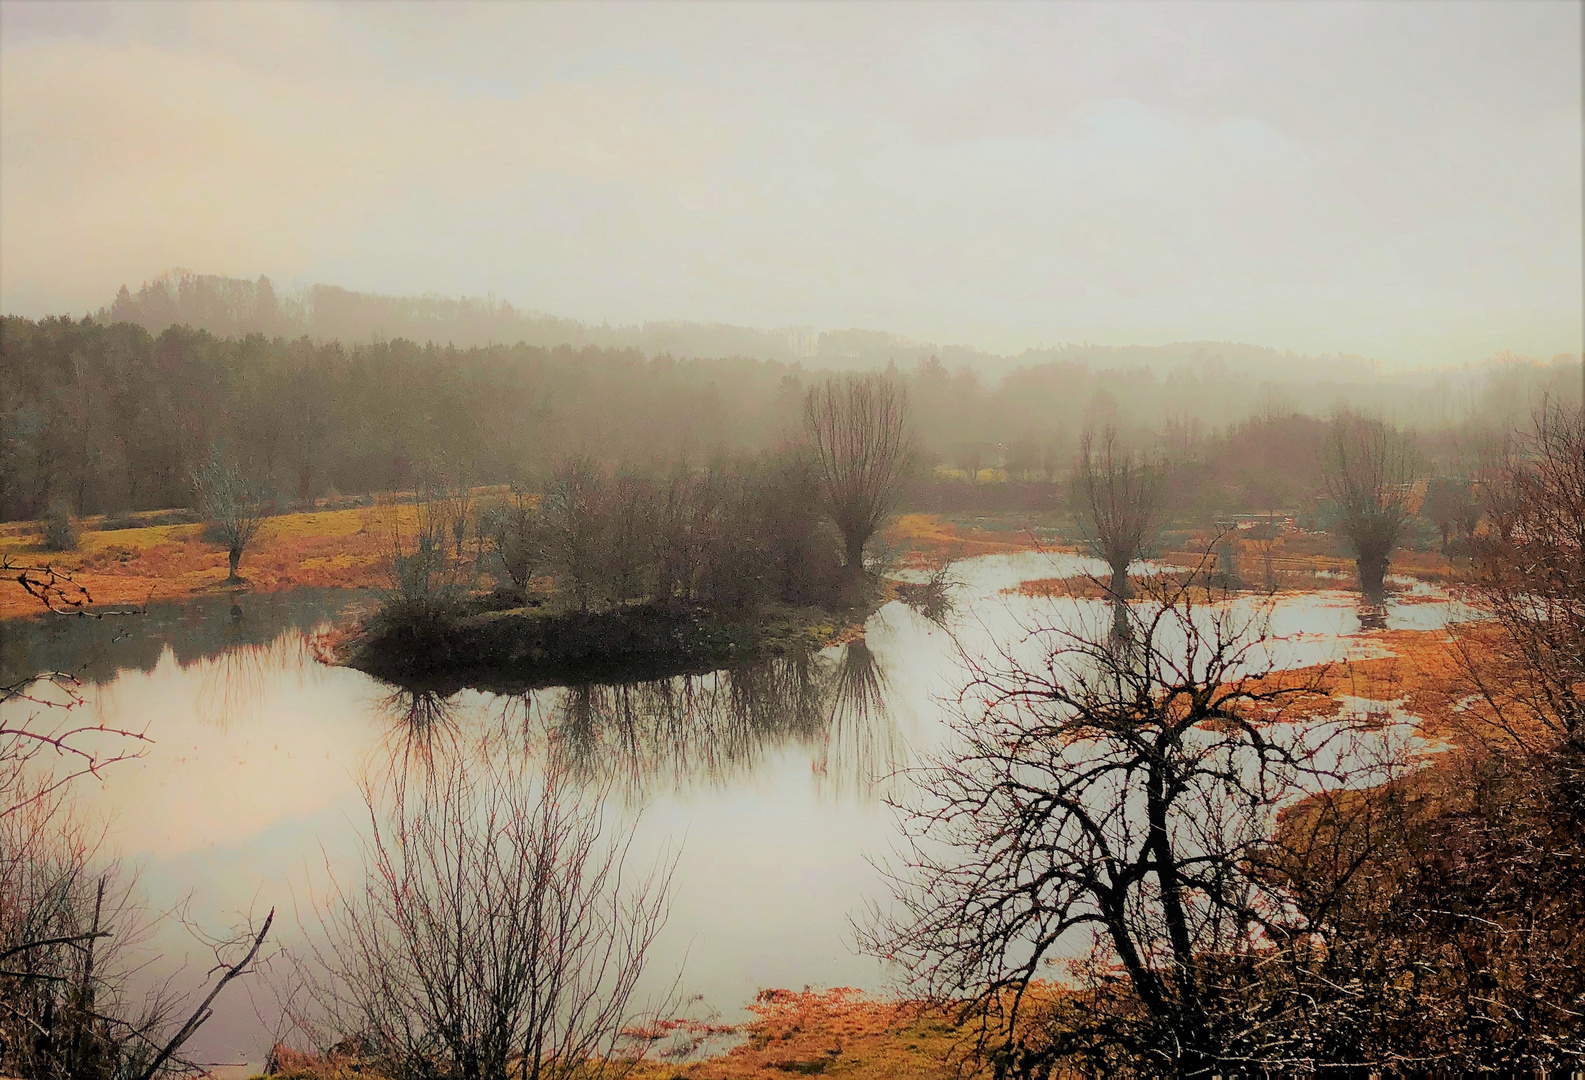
(1398, 180)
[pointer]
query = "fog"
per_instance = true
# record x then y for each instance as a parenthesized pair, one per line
(1398, 182)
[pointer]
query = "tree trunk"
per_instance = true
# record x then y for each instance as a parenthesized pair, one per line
(1372, 566)
(1121, 630)
(1120, 588)
(236, 557)
(855, 552)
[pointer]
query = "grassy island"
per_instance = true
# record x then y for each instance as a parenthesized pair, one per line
(502, 642)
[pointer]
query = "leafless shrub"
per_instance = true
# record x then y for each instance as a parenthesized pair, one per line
(1529, 574)
(516, 536)
(858, 428)
(498, 930)
(60, 531)
(67, 1011)
(631, 514)
(1370, 468)
(804, 557)
(1452, 504)
(933, 597)
(459, 505)
(426, 580)
(678, 526)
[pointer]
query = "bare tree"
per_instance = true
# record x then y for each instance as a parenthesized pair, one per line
(858, 427)
(497, 932)
(1460, 929)
(1121, 792)
(516, 536)
(632, 520)
(1450, 503)
(1369, 473)
(423, 573)
(1118, 493)
(575, 514)
(1529, 575)
(230, 504)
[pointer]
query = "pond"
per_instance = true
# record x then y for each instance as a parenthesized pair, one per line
(769, 781)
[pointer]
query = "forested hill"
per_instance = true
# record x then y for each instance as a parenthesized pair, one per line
(230, 307)
(103, 417)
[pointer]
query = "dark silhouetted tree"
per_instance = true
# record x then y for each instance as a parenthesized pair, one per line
(1369, 475)
(1116, 493)
(858, 427)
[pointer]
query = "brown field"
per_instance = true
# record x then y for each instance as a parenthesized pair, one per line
(351, 548)
(836, 1032)
(929, 539)
(329, 549)
(348, 549)
(839, 1032)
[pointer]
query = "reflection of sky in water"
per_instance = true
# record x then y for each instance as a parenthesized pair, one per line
(767, 776)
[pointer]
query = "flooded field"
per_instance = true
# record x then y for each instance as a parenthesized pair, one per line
(768, 782)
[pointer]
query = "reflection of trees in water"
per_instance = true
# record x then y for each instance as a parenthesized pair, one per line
(97, 650)
(1373, 613)
(234, 682)
(711, 728)
(421, 734)
(862, 744)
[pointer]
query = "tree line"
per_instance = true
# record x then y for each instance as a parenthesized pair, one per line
(100, 418)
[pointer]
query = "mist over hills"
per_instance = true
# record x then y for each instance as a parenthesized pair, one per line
(234, 307)
(115, 411)
(1220, 382)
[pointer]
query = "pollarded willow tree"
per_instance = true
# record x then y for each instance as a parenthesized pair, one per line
(858, 428)
(230, 504)
(1117, 493)
(1370, 471)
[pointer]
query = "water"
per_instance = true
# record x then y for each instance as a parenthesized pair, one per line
(770, 781)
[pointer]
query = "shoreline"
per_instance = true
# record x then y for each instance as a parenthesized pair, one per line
(350, 548)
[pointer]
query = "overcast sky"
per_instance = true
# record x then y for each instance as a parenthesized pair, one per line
(1401, 180)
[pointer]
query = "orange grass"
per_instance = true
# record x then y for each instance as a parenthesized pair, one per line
(838, 1032)
(331, 549)
(929, 540)
(1424, 673)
